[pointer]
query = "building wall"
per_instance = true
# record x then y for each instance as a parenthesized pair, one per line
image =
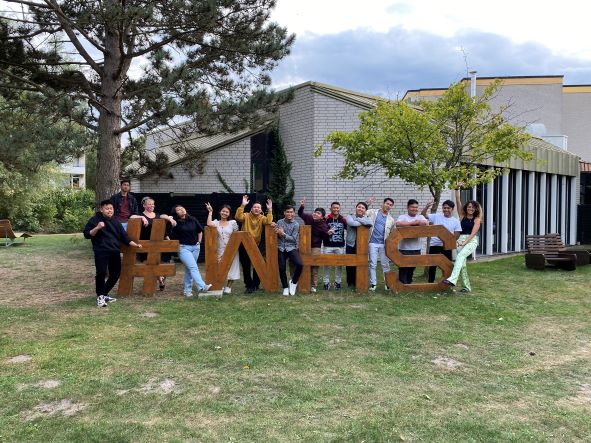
(576, 120)
(232, 161)
(531, 103)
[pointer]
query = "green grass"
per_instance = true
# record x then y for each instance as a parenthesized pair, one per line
(331, 367)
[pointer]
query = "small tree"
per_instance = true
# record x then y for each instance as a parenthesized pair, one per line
(433, 144)
(282, 187)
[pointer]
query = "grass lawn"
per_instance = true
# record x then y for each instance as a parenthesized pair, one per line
(509, 362)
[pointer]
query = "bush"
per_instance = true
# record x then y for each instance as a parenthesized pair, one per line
(65, 210)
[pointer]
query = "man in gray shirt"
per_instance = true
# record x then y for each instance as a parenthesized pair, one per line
(287, 230)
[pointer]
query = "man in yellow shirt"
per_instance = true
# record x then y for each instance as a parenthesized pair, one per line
(253, 223)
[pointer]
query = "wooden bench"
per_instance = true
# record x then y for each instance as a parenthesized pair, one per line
(9, 235)
(549, 249)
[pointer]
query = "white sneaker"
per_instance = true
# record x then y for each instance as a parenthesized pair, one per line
(372, 288)
(312, 289)
(286, 292)
(100, 301)
(110, 299)
(292, 288)
(205, 288)
(188, 294)
(227, 290)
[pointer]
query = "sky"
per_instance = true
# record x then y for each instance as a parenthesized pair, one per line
(386, 47)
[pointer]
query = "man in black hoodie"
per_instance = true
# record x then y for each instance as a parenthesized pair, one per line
(106, 234)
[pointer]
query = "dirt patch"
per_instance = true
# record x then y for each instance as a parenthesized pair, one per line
(20, 359)
(150, 314)
(163, 387)
(447, 363)
(65, 407)
(584, 394)
(462, 346)
(357, 306)
(43, 384)
(214, 390)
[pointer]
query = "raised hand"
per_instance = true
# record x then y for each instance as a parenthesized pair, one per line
(269, 204)
(208, 207)
(303, 201)
(100, 225)
(371, 201)
(245, 200)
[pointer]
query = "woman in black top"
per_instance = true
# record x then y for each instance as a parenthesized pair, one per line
(188, 231)
(470, 220)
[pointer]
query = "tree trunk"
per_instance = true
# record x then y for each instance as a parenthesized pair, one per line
(109, 149)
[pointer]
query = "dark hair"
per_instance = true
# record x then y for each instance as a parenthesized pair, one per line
(412, 201)
(335, 203)
(362, 203)
(321, 210)
(106, 202)
(477, 208)
(228, 208)
(388, 199)
(288, 207)
(175, 215)
(124, 180)
(448, 203)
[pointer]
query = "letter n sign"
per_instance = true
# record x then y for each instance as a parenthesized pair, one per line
(409, 261)
(216, 272)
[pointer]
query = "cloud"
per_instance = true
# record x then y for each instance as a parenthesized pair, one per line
(389, 64)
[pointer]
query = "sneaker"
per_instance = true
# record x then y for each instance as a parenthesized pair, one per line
(188, 294)
(326, 286)
(249, 291)
(205, 288)
(286, 292)
(372, 288)
(465, 290)
(227, 290)
(447, 282)
(110, 299)
(100, 301)
(312, 289)
(337, 286)
(292, 288)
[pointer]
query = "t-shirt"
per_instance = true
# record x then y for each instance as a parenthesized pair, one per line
(452, 224)
(379, 229)
(124, 211)
(186, 231)
(467, 225)
(410, 244)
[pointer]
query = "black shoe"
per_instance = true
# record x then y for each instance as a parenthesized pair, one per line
(161, 284)
(447, 282)
(249, 290)
(337, 286)
(326, 286)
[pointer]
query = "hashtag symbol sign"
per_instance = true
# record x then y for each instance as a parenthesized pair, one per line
(152, 268)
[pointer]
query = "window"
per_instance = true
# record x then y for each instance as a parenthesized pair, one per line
(75, 181)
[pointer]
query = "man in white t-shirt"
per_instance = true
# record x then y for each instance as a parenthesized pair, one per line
(452, 224)
(410, 246)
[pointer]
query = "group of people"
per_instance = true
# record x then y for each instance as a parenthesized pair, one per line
(331, 234)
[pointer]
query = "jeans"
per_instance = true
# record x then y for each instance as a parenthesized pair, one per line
(110, 260)
(337, 269)
(124, 226)
(294, 257)
(375, 250)
(405, 274)
(460, 268)
(437, 250)
(188, 255)
(314, 270)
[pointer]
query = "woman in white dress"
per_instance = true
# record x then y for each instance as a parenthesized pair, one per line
(225, 227)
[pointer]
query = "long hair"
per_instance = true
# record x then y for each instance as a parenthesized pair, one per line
(175, 215)
(478, 212)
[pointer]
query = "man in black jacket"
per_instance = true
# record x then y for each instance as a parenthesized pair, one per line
(124, 204)
(106, 234)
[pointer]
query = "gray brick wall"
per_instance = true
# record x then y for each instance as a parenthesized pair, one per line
(232, 161)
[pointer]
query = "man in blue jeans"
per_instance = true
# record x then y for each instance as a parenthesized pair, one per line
(382, 223)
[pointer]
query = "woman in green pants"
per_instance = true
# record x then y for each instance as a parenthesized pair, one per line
(470, 219)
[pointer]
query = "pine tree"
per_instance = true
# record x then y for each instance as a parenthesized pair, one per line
(282, 186)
